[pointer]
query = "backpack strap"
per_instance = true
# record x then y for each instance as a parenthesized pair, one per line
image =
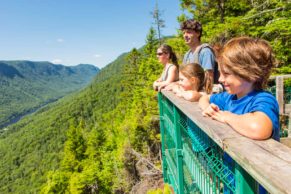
(196, 60)
(198, 50)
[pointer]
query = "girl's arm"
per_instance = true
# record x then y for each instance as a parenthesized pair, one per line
(192, 96)
(172, 86)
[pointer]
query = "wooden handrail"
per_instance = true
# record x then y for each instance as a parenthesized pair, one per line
(283, 76)
(268, 161)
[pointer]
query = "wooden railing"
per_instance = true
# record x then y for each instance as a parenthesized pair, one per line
(190, 167)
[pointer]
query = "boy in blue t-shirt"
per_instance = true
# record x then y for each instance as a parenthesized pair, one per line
(245, 65)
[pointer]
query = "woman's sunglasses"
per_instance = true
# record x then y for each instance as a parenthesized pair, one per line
(160, 54)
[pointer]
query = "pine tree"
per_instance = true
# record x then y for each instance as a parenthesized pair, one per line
(158, 21)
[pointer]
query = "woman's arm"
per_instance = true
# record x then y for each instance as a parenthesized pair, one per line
(172, 76)
(157, 83)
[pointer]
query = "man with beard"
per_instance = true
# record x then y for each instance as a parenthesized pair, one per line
(199, 53)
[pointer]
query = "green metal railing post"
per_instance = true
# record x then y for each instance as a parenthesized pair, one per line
(179, 153)
(162, 131)
(244, 182)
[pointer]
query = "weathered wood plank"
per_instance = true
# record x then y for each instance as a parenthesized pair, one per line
(269, 162)
(280, 93)
(287, 108)
(270, 169)
(286, 141)
(284, 76)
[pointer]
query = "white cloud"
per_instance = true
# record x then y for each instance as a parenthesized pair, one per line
(57, 61)
(27, 58)
(97, 55)
(60, 40)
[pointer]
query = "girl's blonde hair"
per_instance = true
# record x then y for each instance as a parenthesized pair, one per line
(195, 70)
(248, 58)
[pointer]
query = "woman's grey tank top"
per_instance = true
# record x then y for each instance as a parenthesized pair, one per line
(165, 73)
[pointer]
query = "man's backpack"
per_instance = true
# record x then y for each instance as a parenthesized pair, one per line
(196, 60)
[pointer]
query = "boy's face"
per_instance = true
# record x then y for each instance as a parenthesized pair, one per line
(190, 36)
(234, 84)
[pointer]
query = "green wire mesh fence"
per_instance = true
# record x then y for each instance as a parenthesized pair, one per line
(192, 161)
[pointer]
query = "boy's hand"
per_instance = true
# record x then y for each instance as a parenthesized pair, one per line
(210, 110)
(215, 113)
(220, 116)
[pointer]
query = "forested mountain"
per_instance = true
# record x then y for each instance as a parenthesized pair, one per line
(26, 85)
(77, 144)
(100, 139)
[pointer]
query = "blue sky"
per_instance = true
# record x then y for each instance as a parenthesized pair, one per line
(70, 32)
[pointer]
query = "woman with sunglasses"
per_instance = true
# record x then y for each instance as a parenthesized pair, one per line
(170, 73)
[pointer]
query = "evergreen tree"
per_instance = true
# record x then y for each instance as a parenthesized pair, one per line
(151, 43)
(158, 21)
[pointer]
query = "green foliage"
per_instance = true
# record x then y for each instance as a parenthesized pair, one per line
(166, 190)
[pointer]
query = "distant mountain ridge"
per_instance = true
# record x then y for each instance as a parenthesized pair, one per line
(25, 85)
(28, 68)
(8, 71)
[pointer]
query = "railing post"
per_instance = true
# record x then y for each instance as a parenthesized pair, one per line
(179, 155)
(280, 93)
(244, 182)
(162, 131)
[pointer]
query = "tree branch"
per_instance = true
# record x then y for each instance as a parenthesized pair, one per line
(266, 11)
(139, 156)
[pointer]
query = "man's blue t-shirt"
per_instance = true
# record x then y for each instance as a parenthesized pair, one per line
(206, 58)
(261, 101)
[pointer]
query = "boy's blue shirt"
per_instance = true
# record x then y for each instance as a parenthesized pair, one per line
(261, 101)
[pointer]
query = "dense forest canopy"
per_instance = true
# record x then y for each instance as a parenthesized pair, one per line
(91, 142)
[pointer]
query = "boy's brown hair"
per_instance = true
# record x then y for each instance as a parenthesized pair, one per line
(195, 70)
(248, 58)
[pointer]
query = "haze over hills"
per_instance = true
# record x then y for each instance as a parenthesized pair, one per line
(26, 85)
